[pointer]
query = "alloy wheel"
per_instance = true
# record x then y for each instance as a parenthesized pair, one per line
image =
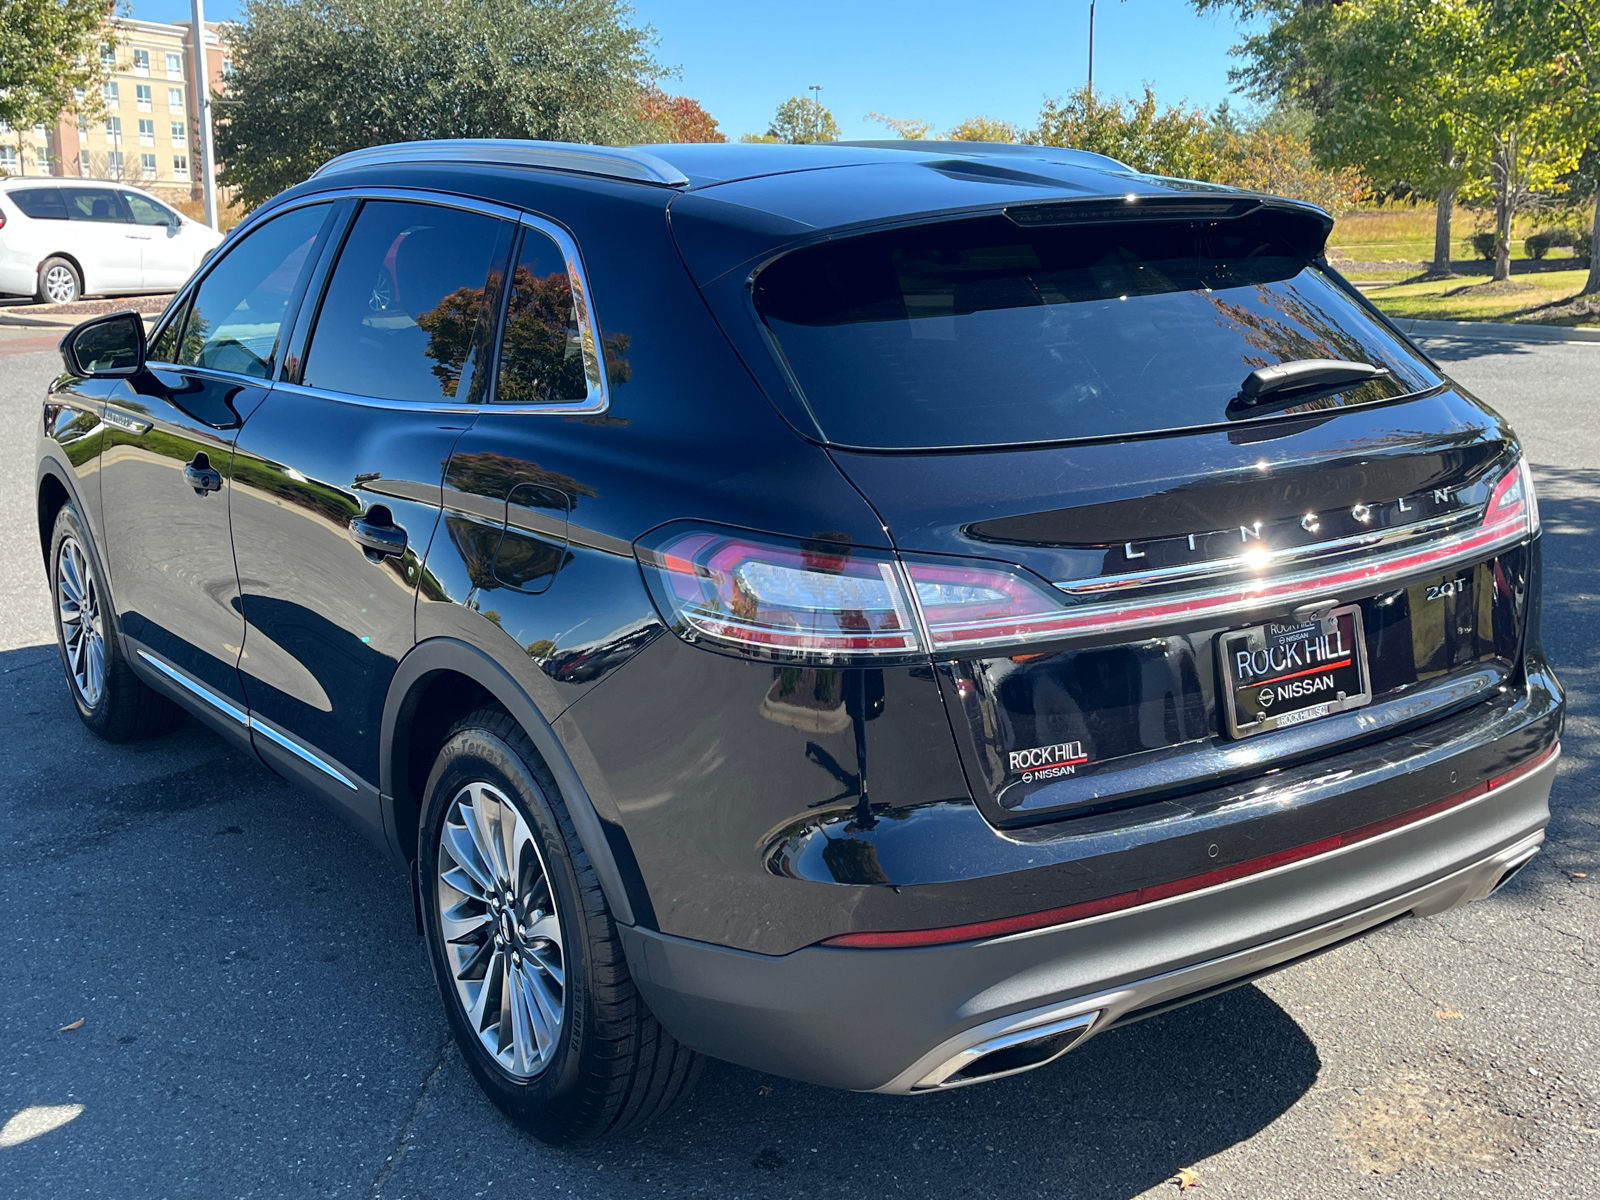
(501, 930)
(60, 284)
(82, 631)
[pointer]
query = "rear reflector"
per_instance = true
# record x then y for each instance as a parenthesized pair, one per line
(1180, 887)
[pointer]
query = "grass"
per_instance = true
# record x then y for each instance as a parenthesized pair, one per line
(1541, 298)
(1383, 242)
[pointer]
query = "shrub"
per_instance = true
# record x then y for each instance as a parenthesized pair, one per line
(1537, 245)
(1483, 245)
(1583, 243)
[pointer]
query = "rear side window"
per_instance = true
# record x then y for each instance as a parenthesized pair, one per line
(240, 306)
(94, 204)
(984, 332)
(42, 204)
(542, 355)
(409, 310)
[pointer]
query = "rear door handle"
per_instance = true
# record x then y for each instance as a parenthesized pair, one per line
(378, 535)
(201, 475)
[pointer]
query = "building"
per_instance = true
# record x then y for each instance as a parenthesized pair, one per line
(149, 132)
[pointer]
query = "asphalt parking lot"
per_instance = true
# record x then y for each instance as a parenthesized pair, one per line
(258, 1019)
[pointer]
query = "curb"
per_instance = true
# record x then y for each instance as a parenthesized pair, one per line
(1490, 331)
(13, 319)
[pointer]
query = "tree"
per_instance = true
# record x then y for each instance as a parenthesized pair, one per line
(316, 78)
(801, 120)
(907, 130)
(48, 50)
(1140, 132)
(984, 129)
(676, 118)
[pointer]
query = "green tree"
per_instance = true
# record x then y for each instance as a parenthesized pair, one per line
(49, 49)
(905, 130)
(1157, 140)
(316, 78)
(801, 120)
(984, 129)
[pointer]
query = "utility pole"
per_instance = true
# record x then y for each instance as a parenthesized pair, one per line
(1091, 47)
(202, 104)
(816, 112)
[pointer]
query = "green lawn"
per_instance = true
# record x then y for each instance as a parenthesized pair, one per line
(1537, 298)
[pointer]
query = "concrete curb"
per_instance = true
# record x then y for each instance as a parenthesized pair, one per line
(14, 319)
(1490, 331)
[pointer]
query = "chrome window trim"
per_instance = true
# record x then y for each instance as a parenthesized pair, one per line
(599, 397)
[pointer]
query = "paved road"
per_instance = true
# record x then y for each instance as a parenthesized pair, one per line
(258, 1018)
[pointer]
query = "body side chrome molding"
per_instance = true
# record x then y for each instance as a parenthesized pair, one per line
(244, 719)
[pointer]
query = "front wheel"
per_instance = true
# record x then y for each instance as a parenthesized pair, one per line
(524, 949)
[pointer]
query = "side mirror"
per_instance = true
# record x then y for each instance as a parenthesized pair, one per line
(108, 347)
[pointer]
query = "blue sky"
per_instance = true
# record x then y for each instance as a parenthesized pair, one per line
(934, 60)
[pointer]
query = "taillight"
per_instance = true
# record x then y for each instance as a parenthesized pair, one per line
(815, 601)
(829, 603)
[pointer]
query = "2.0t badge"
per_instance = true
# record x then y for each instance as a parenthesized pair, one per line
(1282, 674)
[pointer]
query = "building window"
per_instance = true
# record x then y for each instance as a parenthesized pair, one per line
(8, 160)
(227, 68)
(111, 94)
(38, 131)
(83, 125)
(180, 133)
(141, 62)
(180, 165)
(114, 164)
(142, 94)
(147, 132)
(77, 95)
(113, 127)
(175, 99)
(174, 64)
(108, 57)
(147, 164)
(83, 163)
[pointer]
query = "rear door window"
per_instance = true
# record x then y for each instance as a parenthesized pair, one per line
(986, 332)
(95, 204)
(409, 311)
(42, 204)
(240, 306)
(542, 353)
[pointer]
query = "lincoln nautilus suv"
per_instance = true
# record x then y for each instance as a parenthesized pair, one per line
(878, 613)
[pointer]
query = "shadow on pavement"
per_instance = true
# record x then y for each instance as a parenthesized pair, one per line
(1109, 1121)
(1447, 348)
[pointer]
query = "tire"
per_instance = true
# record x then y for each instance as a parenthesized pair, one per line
(607, 1065)
(111, 700)
(59, 282)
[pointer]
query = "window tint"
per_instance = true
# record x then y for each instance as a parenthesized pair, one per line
(93, 204)
(145, 210)
(984, 332)
(42, 204)
(542, 355)
(240, 305)
(410, 304)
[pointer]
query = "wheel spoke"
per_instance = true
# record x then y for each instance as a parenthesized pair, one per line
(463, 847)
(485, 835)
(96, 671)
(525, 1050)
(460, 925)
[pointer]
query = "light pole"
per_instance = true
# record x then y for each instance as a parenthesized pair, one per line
(202, 103)
(1091, 47)
(816, 112)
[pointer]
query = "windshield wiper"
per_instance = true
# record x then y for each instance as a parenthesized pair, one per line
(1301, 377)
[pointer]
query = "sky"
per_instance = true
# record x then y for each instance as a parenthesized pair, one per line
(931, 60)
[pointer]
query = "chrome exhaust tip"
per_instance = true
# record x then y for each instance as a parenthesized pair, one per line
(1010, 1053)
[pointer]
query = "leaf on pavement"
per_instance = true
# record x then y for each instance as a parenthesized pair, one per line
(78, 1024)
(1187, 1178)
(1448, 1014)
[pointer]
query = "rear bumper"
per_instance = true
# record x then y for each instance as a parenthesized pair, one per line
(901, 1020)
(18, 278)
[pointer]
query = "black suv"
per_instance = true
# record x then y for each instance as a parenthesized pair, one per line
(878, 613)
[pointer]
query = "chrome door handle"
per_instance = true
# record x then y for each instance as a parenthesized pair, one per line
(378, 535)
(201, 475)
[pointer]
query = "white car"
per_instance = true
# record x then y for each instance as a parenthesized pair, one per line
(61, 239)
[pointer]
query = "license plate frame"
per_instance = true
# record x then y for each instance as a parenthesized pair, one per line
(1298, 656)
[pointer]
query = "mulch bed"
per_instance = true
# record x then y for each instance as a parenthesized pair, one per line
(92, 308)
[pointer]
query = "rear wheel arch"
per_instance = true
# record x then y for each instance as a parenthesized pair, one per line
(83, 280)
(439, 682)
(53, 495)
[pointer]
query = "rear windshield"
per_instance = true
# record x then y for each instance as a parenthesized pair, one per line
(981, 332)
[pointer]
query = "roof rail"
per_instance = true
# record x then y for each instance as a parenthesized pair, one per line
(611, 162)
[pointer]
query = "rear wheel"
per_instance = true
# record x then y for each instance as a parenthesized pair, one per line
(524, 949)
(111, 700)
(58, 282)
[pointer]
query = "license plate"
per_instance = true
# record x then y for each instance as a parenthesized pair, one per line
(1288, 673)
